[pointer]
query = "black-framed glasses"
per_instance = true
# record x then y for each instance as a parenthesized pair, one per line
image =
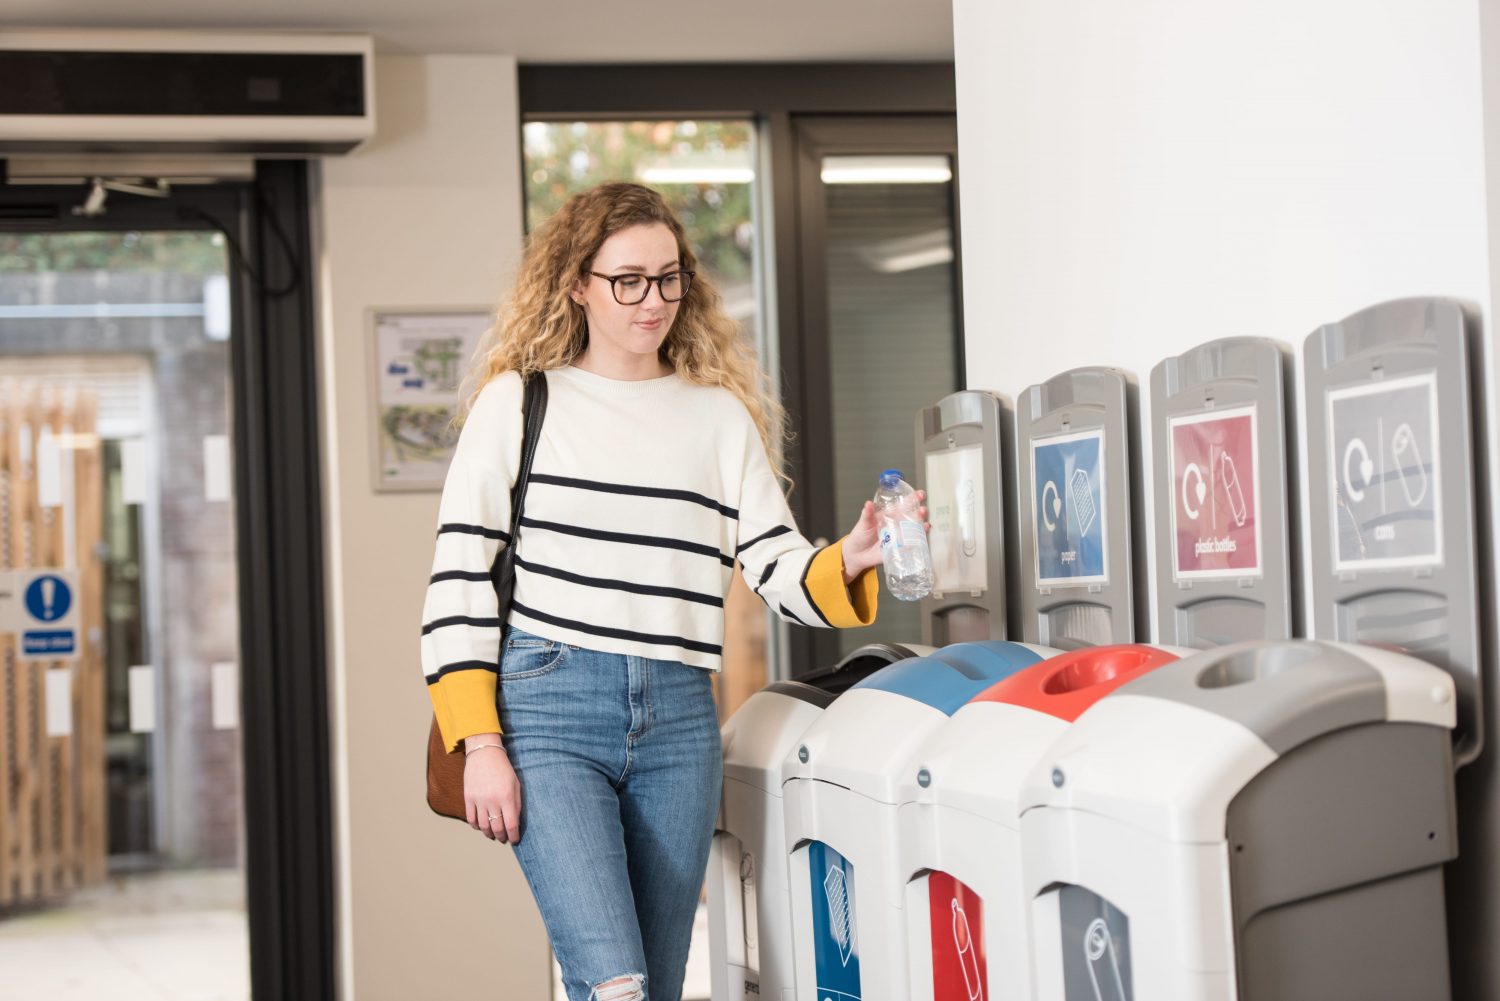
(632, 289)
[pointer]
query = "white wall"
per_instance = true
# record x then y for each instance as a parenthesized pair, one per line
(1139, 178)
(427, 214)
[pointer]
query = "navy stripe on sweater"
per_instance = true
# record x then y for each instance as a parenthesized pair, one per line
(634, 491)
(619, 634)
(636, 540)
(620, 585)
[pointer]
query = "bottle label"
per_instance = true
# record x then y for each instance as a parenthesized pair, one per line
(907, 533)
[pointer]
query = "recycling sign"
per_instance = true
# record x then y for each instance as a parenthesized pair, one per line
(41, 607)
(1068, 506)
(1386, 499)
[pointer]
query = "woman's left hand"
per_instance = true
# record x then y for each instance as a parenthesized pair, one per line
(862, 544)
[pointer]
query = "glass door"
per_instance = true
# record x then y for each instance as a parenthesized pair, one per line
(880, 325)
(121, 832)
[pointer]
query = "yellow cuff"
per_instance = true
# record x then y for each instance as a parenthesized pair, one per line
(843, 607)
(464, 702)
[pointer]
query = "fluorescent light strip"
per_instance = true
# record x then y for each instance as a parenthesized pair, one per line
(886, 170)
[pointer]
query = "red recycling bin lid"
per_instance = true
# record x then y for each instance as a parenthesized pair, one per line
(1065, 685)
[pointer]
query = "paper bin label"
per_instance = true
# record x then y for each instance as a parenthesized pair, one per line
(835, 931)
(1069, 501)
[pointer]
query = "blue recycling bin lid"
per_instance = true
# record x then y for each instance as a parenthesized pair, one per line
(955, 674)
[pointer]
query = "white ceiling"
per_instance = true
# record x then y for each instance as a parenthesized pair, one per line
(571, 31)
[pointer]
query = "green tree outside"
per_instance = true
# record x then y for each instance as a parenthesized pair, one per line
(564, 158)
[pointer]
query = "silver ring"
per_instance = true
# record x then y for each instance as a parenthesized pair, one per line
(494, 816)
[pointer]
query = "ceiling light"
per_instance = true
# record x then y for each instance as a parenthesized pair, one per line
(886, 170)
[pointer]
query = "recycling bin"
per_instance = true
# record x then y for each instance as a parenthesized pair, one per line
(840, 788)
(961, 822)
(749, 914)
(1261, 822)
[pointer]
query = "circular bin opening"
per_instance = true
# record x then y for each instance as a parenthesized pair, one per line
(1088, 668)
(1251, 663)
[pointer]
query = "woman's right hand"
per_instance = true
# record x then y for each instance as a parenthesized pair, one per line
(491, 788)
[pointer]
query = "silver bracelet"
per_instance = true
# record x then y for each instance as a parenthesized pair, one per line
(478, 747)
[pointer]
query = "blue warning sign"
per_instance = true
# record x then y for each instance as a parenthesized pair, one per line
(41, 607)
(1068, 506)
(48, 598)
(835, 938)
(46, 643)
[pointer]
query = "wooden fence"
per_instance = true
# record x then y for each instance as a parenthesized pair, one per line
(53, 824)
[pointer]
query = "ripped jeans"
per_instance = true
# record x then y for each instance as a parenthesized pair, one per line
(620, 763)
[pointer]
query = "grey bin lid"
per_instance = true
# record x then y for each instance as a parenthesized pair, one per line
(1286, 693)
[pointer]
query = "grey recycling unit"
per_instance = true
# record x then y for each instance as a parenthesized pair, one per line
(750, 936)
(1266, 821)
(1390, 461)
(1074, 453)
(1225, 546)
(960, 447)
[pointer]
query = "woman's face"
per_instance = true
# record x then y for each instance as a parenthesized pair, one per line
(636, 330)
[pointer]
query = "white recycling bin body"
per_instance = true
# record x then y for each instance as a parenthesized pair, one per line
(1261, 821)
(840, 789)
(960, 820)
(750, 946)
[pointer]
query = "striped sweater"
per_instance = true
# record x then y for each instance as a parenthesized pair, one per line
(643, 497)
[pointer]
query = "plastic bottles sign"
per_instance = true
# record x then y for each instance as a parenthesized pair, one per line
(41, 606)
(959, 969)
(1216, 497)
(1068, 505)
(1386, 497)
(835, 934)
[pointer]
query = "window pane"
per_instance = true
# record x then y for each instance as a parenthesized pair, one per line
(892, 331)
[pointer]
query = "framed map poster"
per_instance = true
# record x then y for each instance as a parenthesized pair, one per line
(418, 361)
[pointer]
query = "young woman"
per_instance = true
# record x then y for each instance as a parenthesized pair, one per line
(654, 474)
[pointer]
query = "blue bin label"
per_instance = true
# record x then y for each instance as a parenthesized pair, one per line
(1068, 505)
(835, 932)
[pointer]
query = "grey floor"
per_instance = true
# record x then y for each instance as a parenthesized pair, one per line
(178, 936)
(172, 936)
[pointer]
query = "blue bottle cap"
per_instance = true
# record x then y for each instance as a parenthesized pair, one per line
(889, 477)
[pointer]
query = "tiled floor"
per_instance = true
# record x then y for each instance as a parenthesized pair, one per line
(175, 936)
(178, 936)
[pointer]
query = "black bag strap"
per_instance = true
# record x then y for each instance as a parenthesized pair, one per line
(533, 411)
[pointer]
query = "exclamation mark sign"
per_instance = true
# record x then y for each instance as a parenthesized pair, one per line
(49, 594)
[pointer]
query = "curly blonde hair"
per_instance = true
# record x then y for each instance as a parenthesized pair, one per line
(539, 327)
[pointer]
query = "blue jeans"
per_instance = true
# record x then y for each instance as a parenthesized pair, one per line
(621, 764)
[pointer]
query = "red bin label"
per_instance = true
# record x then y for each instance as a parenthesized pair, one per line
(958, 964)
(1215, 504)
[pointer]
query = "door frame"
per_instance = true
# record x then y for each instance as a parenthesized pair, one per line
(801, 267)
(279, 544)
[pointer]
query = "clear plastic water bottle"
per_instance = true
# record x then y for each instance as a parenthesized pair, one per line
(903, 538)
